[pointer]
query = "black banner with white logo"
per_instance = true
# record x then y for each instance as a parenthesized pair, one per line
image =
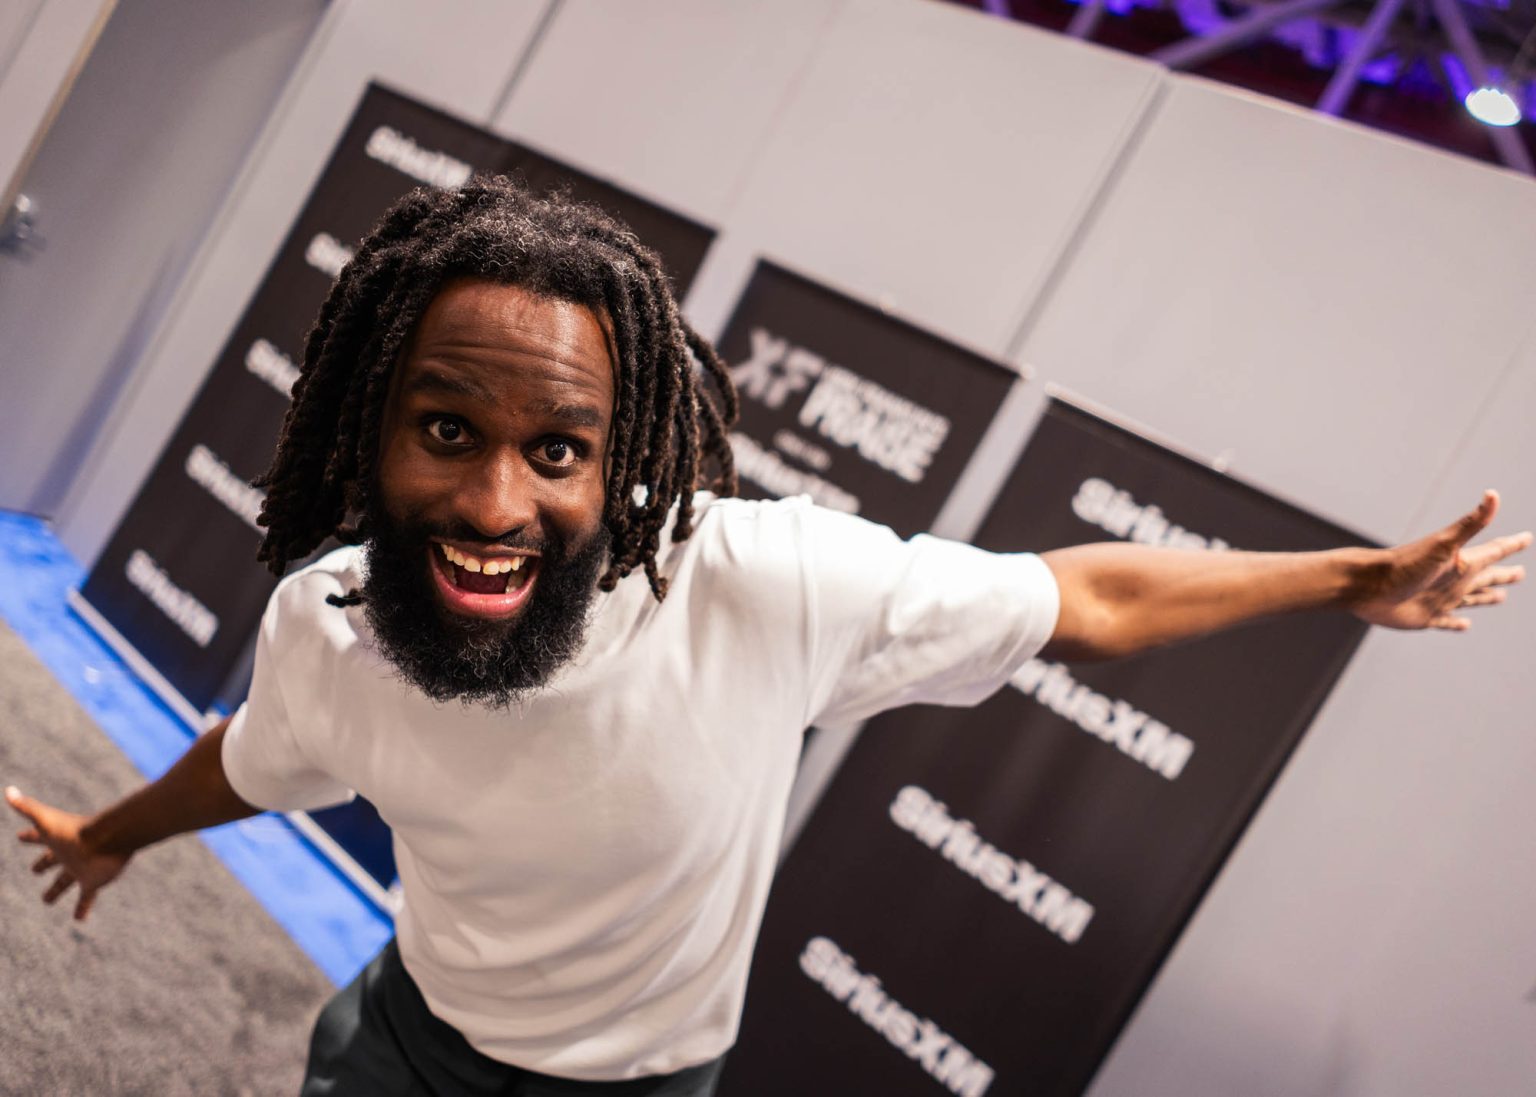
(860, 411)
(178, 579)
(178, 582)
(984, 894)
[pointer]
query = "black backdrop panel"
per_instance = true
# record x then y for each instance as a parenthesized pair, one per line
(1014, 874)
(193, 519)
(178, 579)
(863, 412)
(681, 243)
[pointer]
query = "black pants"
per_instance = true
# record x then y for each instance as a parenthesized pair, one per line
(377, 1038)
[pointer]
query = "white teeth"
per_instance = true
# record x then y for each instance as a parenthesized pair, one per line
(500, 565)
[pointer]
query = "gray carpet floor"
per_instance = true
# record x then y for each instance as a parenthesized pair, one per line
(178, 983)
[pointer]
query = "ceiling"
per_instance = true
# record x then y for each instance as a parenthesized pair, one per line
(1402, 66)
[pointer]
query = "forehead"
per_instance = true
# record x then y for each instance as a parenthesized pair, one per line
(507, 334)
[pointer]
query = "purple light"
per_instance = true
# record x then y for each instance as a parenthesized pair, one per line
(1382, 71)
(1325, 46)
(1311, 39)
(1200, 16)
(1456, 73)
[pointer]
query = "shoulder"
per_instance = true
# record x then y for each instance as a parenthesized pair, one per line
(850, 567)
(745, 524)
(719, 520)
(800, 534)
(741, 554)
(776, 536)
(766, 554)
(299, 604)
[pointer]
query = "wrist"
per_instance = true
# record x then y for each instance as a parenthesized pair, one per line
(103, 834)
(1362, 572)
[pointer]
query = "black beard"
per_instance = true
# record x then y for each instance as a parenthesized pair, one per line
(452, 657)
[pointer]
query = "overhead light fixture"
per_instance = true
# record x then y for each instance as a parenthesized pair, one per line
(1492, 104)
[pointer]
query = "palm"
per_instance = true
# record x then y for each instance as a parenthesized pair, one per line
(1426, 583)
(59, 833)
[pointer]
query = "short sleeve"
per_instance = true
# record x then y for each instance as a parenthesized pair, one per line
(263, 754)
(922, 621)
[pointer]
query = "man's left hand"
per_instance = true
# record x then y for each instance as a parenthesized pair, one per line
(1428, 582)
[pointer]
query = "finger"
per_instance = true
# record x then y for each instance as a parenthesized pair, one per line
(1491, 552)
(1476, 520)
(83, 907)
(1497, 577)
(23, 804)
(61, 884)
(1482, 598)
(30, 836)
(44, 863)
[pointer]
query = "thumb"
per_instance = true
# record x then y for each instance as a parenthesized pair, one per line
(1475, 520)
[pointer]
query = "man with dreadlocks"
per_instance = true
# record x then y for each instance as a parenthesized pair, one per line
(503, 413)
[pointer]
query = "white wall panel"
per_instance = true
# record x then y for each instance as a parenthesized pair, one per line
(16, 19)
(125, 186)
(927, 161)
(455, 55)
(1342, 312)
(41, 44)
(1327, 303)
(669, 98)
(1444, 1001)
(1371, 936)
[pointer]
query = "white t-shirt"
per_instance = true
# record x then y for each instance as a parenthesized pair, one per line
(584, 876)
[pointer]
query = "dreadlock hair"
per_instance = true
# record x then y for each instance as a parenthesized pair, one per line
(668, 435)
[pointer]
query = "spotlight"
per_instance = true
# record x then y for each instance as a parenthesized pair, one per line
(1492, 104)
(1493, 107)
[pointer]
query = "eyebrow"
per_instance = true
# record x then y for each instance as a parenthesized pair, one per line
(453, 384)
(571, 415)
(568, 414)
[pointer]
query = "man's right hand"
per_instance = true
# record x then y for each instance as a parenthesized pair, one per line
(66, 848)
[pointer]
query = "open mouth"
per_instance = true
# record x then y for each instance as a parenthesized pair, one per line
(482, 586)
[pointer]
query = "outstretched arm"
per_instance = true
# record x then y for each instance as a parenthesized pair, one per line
(91, 850)
(1120, 599)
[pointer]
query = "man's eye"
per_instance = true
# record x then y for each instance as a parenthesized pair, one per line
(556, 452)
(448, 431)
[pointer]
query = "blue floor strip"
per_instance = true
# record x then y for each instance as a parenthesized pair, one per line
(317, 906)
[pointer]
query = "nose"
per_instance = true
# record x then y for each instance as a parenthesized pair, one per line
(497, 495)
